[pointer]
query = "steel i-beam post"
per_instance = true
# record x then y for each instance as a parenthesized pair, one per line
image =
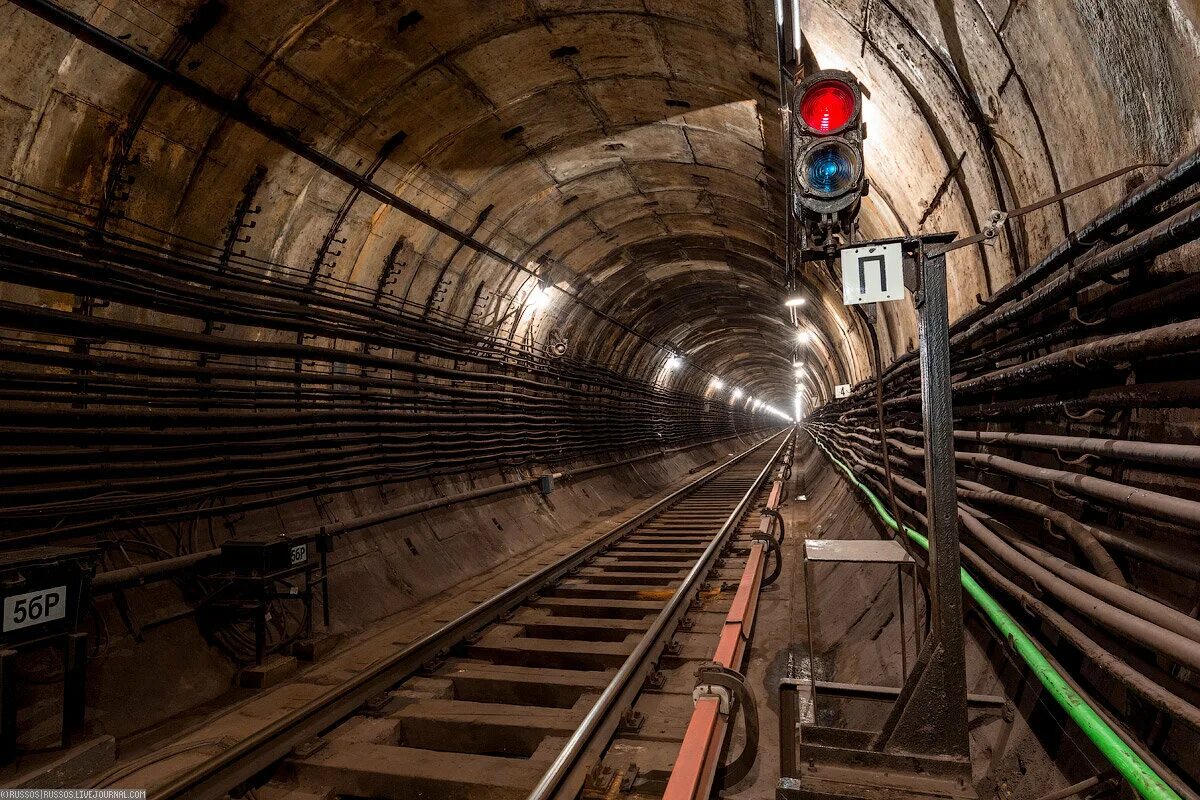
(930, 716)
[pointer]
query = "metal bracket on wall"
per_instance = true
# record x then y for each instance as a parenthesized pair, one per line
(997, 219)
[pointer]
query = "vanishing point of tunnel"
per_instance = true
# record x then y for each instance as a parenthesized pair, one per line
(600, 399)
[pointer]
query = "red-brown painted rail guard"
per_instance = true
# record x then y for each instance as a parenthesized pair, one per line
(700, 753)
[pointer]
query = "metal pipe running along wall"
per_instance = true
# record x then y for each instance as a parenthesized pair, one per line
(1128, 763)
(1111, 606)
(1146, 679)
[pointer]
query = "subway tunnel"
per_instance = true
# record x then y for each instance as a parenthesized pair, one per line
(454, 400)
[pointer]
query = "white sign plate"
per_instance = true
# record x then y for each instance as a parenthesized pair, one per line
(873, 273)
(34, 608)
(841, 390)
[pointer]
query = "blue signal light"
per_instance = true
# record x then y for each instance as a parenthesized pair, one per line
(829, 169)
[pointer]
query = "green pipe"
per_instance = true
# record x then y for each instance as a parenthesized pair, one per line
(1139, 774)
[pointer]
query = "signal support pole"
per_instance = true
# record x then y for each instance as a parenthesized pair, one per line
(923, 749)
(930, 716)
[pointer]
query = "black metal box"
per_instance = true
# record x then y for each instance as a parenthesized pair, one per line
(268, 554)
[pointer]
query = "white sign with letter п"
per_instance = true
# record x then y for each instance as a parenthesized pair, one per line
(872, 273)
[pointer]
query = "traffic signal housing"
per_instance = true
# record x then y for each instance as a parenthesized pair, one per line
(827, 147)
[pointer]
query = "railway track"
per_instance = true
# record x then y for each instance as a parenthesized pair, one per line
(523, 696)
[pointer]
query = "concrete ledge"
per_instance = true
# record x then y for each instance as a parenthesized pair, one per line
(73, 767)
(274, 670)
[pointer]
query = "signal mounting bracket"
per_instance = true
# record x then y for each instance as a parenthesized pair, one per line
(997, 219)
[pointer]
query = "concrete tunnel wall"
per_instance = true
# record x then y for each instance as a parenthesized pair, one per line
(375, 574)
(635, 144)
(632, 144)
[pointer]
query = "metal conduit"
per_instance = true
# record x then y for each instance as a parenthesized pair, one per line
(1137, 206)
(327, 426)
(1143, 682)
(1136, 628)
(1129, 763)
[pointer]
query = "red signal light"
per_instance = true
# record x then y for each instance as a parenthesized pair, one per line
(827, 106)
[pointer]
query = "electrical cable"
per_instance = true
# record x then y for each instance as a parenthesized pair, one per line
(1148, 783)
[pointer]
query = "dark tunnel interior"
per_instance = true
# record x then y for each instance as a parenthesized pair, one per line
(431, 294)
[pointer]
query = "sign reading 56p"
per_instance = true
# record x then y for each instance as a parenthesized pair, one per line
(34, 608)
(872, 273)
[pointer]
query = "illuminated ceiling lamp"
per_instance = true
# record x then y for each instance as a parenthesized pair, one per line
(539, 298)
(795, 301)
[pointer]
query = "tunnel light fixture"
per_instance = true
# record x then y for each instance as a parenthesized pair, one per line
(718, 384)
(539, 298)
(794, 302)
(673, 361)
(803, 337)
(737, 394)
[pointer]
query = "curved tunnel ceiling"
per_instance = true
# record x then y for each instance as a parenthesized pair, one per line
(630, 150)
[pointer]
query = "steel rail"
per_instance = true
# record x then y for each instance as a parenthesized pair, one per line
(213, 779)
(566, 774)
(699, 758)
